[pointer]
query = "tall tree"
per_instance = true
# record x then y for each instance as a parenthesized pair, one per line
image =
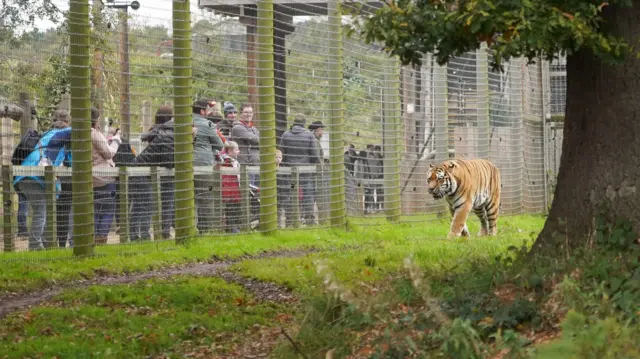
(19, 13)
(600, 164)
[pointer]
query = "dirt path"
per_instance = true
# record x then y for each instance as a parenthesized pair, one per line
(263, 291)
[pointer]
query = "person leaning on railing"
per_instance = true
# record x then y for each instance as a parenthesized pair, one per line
(33, 187)
(104, 187)
(298, 146)
(206, 146)
(159, 153)
(248, 139)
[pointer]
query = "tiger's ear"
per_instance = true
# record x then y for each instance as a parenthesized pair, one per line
(451, 165)
(430, 165)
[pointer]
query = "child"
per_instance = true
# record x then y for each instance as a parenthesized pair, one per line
(231, 187)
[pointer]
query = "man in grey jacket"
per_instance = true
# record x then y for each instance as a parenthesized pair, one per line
(248, 139)
(205, 146)
(298, 146)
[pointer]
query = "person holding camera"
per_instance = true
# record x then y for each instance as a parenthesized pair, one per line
(104, 188)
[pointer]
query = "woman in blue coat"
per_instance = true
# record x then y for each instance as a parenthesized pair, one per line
(46, 152)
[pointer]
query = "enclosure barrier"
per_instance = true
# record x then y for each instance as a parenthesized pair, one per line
(376, 125)
(124, 174)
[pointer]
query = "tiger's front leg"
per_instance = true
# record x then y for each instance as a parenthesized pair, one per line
(459, 222)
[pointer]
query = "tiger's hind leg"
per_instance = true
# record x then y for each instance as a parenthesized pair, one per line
(493, 210)
(484, 220)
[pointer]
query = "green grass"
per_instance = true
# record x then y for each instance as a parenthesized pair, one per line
(175, 316)
(24, 272)
(32, 270)
(370, 264)
(132, 321)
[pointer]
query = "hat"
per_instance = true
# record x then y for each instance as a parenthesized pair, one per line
(300, 119)
(315, 125)
(228, 107)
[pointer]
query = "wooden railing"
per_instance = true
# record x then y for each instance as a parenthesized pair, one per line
(51, 174)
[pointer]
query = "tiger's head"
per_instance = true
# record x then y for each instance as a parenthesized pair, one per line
(440, 180)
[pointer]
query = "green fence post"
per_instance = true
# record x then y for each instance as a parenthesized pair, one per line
(391, 142)
(266, 118)
(182, 92)
(80, 78)
(336, 115)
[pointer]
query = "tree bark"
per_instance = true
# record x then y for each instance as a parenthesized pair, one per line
(600, 163)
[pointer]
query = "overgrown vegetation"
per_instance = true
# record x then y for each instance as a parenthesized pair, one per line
(140, 318)
(405, 292)
(583, 305)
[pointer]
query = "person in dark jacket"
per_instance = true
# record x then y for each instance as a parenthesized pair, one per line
(159, 152)
(298, 146)
(350, 156)
(206, 146)
(375, 172)
(362, 173)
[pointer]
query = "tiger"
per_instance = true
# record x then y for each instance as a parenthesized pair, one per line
(465, 185)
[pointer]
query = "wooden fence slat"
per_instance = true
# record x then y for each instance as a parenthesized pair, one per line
(156, 194)
(244, 197)
(295, 197)
(218, 208)
(50, 195)
(7, 203)
(125, 234)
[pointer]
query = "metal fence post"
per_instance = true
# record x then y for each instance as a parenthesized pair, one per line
(80, 78)
(336, 114)
(482, 85)
(266, 117)
(391, 142)
(183, 153)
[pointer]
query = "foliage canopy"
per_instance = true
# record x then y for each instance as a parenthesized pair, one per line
(511, 28)
(17, 13)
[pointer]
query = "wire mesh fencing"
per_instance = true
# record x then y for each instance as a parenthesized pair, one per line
(130, 122)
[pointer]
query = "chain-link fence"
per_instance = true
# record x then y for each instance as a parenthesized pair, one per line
(162, 120)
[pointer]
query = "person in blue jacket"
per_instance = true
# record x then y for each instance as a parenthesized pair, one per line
(46, 152)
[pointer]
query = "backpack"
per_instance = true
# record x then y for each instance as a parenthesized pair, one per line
(26, 145)
(125, 155)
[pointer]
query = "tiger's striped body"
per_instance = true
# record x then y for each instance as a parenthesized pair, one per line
(467, 185)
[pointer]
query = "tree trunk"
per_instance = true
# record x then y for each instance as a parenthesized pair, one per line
(600, 163)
